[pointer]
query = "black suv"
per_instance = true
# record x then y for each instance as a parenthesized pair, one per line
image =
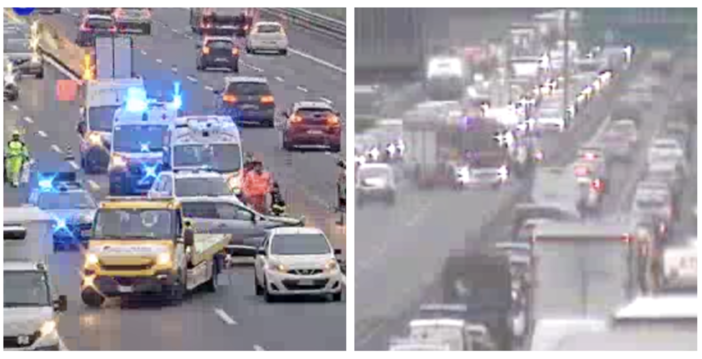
(218, 52)
(246, 100)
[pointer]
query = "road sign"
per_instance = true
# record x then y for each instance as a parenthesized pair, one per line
(23, 11)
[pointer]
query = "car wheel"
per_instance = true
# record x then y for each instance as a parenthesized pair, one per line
(91, 298)
(259, 289)
(336, 297)
(147, 30)
(40, 75)
(235, 69)
(283, 52)
(270, 123)
(212, 285)
(266, 294)
(249, 50)
(336, 148)
(177, 290)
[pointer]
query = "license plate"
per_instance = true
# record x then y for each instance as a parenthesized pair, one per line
(314, 132)
(249, 107)
(123, 289)
(85, 233)
(221, 60)
(306, 282)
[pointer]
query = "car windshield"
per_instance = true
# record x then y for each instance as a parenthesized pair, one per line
(139, 138)
(376, 172)
(67, 200)
(220, 44)
(550, 112)
(16, 45)
(100, 118)
(650, 203)
(99, 23)
(269, 29)
(25, 289)
(192, 187)
(314, 113)
(135, 224)
(665, 146)
(218, 157)
(299, 244)
(248, 88)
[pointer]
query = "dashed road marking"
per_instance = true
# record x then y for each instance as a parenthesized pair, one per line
(223, 315)
(15, 107)
(143, 52)
(209, 88)
(42, 134)
(74, 165)
(93, 185)
(56, 148)
(303, 89)
(280, 79)
(159, 61)
(258, 348)
(252, 67)
(326, 100)
(175, 31)
(192, 79)
(317, 60)
(28, 119)
(174, 68)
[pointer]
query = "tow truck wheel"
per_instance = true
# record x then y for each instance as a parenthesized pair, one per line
(177, 290)
(283, 52)
(212, 285)
(91, 298)
(336, 148)
(336, 297)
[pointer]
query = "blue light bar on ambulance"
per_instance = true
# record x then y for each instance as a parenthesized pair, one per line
(136, 100)
(177, 97)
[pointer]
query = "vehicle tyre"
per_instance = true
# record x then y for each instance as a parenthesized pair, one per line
(336, 148)
(336, 297)
(235, 69)
(259, 289)
(267, 295)
(147, 29)
(270, 123)
(177, 289)
(40, 75)
(283, 52)
(249, 50)
(212, 285)
(91, 298)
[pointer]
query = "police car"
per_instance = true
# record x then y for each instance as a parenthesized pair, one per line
(210, 143)
(312, 124)
(70, 205)
(140, 137)
(246, 99)
(180, 184)
(103, 98)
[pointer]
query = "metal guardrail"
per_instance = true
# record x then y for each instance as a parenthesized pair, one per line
(333, 28)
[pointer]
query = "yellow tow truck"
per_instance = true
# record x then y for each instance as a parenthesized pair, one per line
(141, 247)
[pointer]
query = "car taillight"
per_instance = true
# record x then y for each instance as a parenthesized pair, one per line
(581, 171)
(246, 27)
(235, 51)
(589, 156)
(626, 238)
(296, 119)
(205, 50)
(229, 98)
(267, 99)
(85, 28)
(113, 29)
(333, 121)
(597, 185)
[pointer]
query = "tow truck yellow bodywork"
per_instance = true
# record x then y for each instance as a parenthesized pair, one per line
(173, 265)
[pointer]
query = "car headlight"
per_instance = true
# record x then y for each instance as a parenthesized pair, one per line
(95, 138)
(278, 267)
(234, 183)
(48, 327)
(36, 59)
(163, 259)
(331, 265)
(91, 259)
(118, 161)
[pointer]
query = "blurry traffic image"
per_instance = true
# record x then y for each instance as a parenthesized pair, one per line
(525, 179)
(174, 179)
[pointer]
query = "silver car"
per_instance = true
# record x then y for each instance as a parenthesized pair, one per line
(375, 181)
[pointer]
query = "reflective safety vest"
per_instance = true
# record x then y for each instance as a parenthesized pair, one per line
(257, 185)
(16, 148)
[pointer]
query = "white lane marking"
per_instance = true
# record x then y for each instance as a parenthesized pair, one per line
(209, 88)
(93, 185)
(223, 315)
(326, 100)
(175, 31)
(174, 69)
(143, 52)
(74, 165)
(192, 79)
(302, 89)
(42, 134)
(56, 148)
(317, 60)
(259, 348)
(15, 107)
(28, 119)
(280, 79)
(252, 67)
(159, 61)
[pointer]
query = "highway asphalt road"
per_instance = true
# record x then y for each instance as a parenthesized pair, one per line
(308, 181)
(400, 251)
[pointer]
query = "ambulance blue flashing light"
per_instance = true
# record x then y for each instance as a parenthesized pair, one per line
(177, 97)
(46, 183)
(136, 100)
(60, 224)
(149, 171)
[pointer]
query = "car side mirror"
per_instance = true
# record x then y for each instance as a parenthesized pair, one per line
(61, 305)
(189, 237)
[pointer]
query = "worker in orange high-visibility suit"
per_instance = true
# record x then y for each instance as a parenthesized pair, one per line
(257, 186)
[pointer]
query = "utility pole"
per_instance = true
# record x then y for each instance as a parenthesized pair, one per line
(566, 61)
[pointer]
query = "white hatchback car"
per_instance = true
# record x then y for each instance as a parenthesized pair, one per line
(297, 261)
(267, 36)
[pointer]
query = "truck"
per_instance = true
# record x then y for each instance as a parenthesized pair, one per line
(31, 306)
(222, 21)
(147, 247)
(480, 280)
(449, 146)
(390, 44)
(114, 57)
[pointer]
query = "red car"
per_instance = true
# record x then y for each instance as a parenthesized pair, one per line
(311, 125)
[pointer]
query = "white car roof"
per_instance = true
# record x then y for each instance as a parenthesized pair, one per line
(195, 174)
(217, 38)
(444, 322)
(268, 23)
(660, 307)
(664, 141)
(366, 166)
(98, 17)
(296, 230)
(312, 104)
(19, 266)
(254, 79)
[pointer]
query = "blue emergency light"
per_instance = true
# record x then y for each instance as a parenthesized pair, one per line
(177, 97)
(150, 171)
(60, 224)
(136, 100)
(46, 183)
